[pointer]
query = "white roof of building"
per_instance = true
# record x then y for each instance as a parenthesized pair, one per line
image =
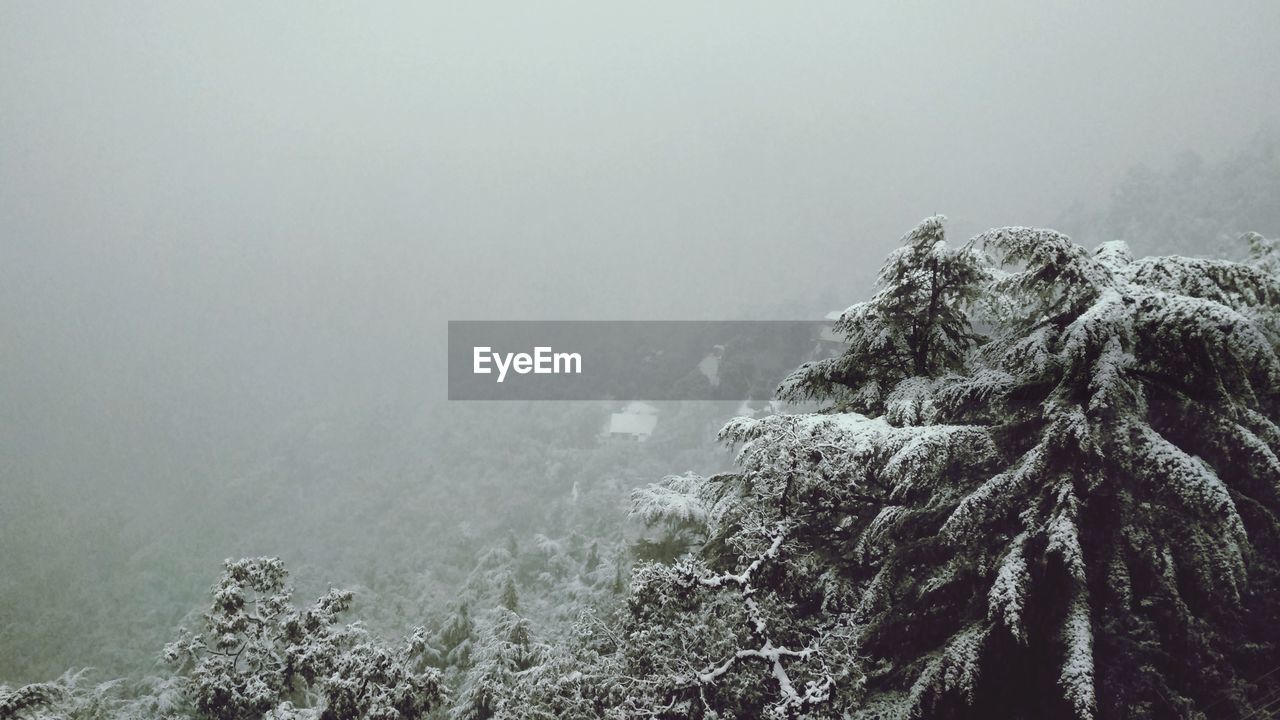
(632, 424)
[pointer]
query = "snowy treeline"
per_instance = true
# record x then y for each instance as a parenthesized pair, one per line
(1044, 483)
(1193, 207)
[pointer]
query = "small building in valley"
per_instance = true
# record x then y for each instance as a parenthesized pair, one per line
(635, 422)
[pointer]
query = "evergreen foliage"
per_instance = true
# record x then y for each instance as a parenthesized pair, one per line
(1043, 482)
(1070, 513)
(260, 656)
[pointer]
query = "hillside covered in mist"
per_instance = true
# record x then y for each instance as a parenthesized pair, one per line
(1032, 471)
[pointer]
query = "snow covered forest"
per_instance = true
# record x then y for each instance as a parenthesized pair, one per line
(1040, 480)
(1028, 468)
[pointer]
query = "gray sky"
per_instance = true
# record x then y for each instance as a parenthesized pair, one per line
(211, 207)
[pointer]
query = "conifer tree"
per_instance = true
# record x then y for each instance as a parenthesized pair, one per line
(258, 655)
(506, 650)
(916, 326)
(510, 599)
(1072, 514)
(454, 637)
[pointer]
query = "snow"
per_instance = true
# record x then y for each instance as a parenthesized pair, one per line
(678, 498)
(1076, 677)
(1008, 595)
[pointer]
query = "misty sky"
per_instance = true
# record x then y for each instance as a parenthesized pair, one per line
(228, 203)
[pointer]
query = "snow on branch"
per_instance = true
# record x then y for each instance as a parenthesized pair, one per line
(677, 497)
(743, 579)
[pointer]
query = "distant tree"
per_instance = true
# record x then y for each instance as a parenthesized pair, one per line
(1264, 253)
(1194, 208)
(619, 577)
(510, 598)
(585, 678)
(593, 558)
(455, 638)
(259, 655)
(506, 650)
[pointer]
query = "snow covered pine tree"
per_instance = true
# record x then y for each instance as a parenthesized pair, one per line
(505, 651)
(259, 657)
(1070, 514)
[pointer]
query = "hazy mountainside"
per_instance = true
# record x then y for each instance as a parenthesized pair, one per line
(383, 503)
(398, 498)
(1003, 469)
(1193, 207)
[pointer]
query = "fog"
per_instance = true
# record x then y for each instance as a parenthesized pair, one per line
(221, 223)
